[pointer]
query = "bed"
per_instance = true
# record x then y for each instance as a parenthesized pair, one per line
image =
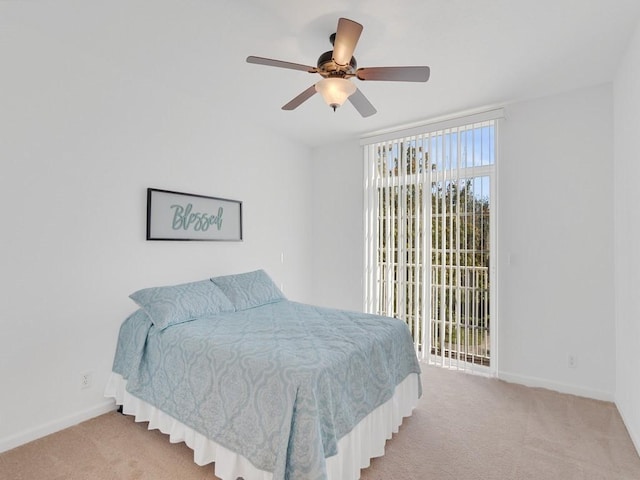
(266, 388)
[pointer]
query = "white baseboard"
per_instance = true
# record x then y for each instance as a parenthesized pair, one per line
(558, 387)
(635, 436)
(27, 436)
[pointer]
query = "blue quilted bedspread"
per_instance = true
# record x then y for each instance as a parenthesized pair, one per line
(279, 384)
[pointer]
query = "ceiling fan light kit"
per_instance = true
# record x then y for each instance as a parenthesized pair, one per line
(337, 66)
(335, 90)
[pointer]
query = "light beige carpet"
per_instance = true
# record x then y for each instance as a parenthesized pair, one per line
(465, 427)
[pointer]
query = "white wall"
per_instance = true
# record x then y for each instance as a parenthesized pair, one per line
(627, 236)
(556, 199)
(80, 141)
(555, 224)
(338, 225)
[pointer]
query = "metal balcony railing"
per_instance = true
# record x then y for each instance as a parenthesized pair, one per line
(457, 324)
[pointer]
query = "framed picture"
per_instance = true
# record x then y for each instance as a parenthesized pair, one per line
(185, 216)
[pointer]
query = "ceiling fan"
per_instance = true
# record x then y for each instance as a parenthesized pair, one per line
(337, 66)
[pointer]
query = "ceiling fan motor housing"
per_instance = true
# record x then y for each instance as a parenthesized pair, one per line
(327, 67)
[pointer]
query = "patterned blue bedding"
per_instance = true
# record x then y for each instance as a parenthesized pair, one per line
(279, 384)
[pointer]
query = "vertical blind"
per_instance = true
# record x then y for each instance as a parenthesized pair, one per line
(429, 195)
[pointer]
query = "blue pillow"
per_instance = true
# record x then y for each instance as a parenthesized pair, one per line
(249, 290)
(181, 303)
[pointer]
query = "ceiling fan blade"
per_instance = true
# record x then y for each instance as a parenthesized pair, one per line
(397, 74)
(303, 97)
(362, 104)
(347, 36)
(279, 63)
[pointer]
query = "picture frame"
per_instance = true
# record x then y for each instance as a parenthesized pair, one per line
(191, 217)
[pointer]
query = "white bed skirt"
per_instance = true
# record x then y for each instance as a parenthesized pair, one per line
(355, 450)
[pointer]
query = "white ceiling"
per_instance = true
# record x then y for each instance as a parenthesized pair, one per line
(481, 52)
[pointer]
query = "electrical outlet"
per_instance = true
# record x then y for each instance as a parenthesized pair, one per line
(571, 360)
(86, 379)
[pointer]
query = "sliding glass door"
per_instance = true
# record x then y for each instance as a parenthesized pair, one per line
(430, 230)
